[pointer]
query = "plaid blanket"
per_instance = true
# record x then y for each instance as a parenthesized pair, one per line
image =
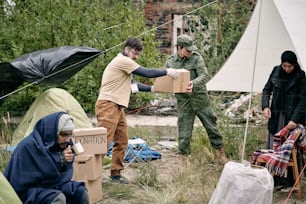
(283, 142)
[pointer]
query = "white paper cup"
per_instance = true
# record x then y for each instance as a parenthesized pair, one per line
(78, 148)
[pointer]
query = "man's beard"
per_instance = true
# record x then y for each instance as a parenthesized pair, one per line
(63, 145)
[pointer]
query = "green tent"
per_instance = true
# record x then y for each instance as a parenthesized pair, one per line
(50, 101)
(7, 193)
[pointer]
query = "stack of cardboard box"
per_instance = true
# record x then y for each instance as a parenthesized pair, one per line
(88, 165)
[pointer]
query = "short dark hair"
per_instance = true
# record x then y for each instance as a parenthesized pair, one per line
(133, 43)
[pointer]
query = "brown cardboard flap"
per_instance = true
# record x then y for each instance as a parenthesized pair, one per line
(89, 131)
(82, 158)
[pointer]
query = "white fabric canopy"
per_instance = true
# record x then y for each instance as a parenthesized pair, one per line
(275, 26)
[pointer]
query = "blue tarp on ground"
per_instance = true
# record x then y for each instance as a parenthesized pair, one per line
(137, 153)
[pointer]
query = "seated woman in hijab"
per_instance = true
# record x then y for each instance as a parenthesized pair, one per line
(40, 169)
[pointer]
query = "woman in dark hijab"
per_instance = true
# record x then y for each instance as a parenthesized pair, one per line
(286, 85)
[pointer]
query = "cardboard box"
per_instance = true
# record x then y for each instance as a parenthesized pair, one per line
(167, 84)
(93, 140)
(94, 188)
(87, 167)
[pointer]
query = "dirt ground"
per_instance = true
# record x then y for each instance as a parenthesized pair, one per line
(167, 166)
(170, 163)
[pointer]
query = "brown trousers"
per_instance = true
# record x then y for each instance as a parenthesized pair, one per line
(112, 117)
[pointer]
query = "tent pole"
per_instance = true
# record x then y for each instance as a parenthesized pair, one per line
(252, 84)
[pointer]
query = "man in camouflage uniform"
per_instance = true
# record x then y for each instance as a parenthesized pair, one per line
(197, 102)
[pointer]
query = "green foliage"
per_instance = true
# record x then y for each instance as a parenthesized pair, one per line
(19, 102)
(32, 25)
(233, 138)
(140, 100)
(4, 159)
(6, 128)
(234, 134)
(218, 30)
(40, 24)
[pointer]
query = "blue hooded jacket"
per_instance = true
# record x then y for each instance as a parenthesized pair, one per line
(35, 169)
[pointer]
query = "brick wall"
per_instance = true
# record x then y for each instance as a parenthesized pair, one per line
(159, 13)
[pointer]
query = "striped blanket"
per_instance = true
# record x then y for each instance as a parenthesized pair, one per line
(283, 143)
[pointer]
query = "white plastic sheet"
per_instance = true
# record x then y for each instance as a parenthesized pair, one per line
(240, 184)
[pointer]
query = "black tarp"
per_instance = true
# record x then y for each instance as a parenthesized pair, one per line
(49, 66)
(10, 78)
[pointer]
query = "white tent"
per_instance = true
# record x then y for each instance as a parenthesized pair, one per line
(275, 26)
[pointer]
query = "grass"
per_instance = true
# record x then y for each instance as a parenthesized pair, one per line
(4, 158)
(193, 182)
(6, 129)
(5, 138)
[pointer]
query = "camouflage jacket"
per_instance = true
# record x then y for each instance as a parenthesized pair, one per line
(199, 76)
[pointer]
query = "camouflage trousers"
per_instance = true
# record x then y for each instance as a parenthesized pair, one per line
(185, 127)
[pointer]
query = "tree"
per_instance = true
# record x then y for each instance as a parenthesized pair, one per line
(40, 24)
(218, 29)
(30, 25)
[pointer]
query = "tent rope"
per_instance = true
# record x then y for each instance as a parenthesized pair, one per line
(102, 52)
(70, 66)
(252, 84)
(50, 75)
(186, 14)
(17, 90)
